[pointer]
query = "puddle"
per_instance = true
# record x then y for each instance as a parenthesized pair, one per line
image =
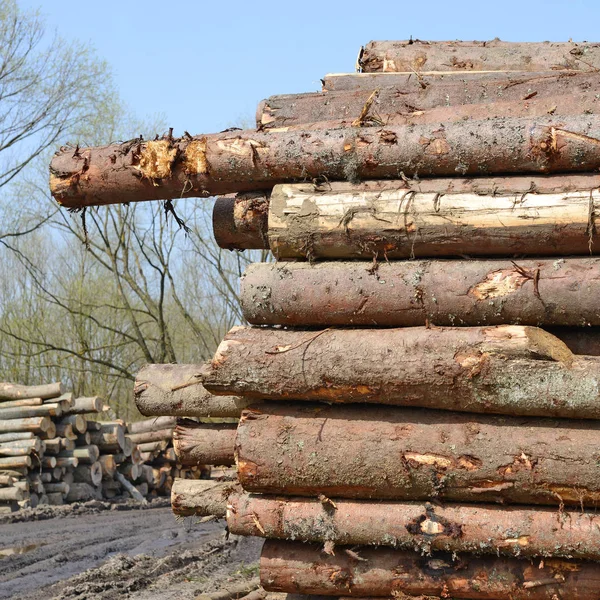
(4, 552)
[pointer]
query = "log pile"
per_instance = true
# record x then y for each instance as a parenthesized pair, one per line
(406, 427)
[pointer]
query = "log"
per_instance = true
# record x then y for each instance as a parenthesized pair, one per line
(50, 462)
(19, 403)
(50, 433)
(23, 412)
(13, 494)
(505, 189)
(130, 470)
(86, 454)
(201, 497)
(383, 572)
(21, 447)
(6, 480)
(495, 55)
(59, 486)
(473, 528)
(85, 405)
(396, 224)
(13, 391)
(176, 390)
(204, 443)
(82, 492)
(61, 461)
(249, 160)
(105, 439)
(151, 436)
(542, 292)
(90, 474)
(65, 430)
(152, 424)
(83, 439)
(15, 462)
(153, 446)
(13, 436)
(108, 465)
(506, 369)
(78, 423)
(238, 221)
(415, 454)
(133, 492)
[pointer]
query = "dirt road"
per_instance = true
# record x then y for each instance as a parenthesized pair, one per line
(114, 554)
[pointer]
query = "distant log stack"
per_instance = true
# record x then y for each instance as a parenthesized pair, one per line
(397, 406)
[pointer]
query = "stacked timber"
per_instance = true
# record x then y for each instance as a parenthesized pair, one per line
(406, 428)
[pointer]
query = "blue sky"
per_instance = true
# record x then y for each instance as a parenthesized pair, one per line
(206, 65)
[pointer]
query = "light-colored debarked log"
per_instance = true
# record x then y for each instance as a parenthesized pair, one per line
(86, 454)
(176, 390)
(34, 424)
(242, 161)
(201, 497)
(506, 369)
(408, 56)
(23, 412)
(383, 572)
(85, 405)
(155, 424)
(541, 292)
(474, 528)
(15, 462)
(152, 436)
(204, 443)
(155, 447)
(6, 480)
(351, 224)
(8, 494)
(13, 391)
(415, 454)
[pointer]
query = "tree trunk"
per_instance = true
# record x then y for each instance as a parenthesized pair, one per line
(204, 443)
(104, 439)
(153, 446)
(65, 430)
(152, 424)
(249, 160)
(26, 402)
(133, 492)
(15, 462)
(201, 497)
(45, 410)
(78, 423)
(6, 480)
(495, 55)
(415, 454)
(86, 405)
(86, 454)
(541, 292)
(478, 529)
(90, 474)
(383, 572)
(151, 436)
(176, 390)
(61, 461)
(396, 223)
(34, 424)
(14, 436)
(445, 100)
(12, 391)
(506, 369)
(21, 447)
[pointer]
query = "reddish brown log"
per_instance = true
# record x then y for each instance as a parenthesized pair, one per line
(382, 572)
(412, 454)
(13, 391)
(542, 292)
(495, 55)
(479, 529)
(249, 160)
(504, 369)
(204, 443)
(176, 390)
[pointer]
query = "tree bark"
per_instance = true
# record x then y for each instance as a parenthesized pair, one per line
(473, 528)
(26, 402)
(235, 591)
(133, 492)
(542, 292)
(105, 439)
(383, 572)
(14, 436)
(82, 492)
(65, 430)
(34, 424)
(409, 56)
(176, 390)
(201, 497)
(11, 494)
(504, 370)
(21, 447)
(152, 424)
(15, 462)
(45, 410)
(248, 160)
(415, 454)
(238, 221)
(78, 423)
(80, 406)
(204, 443)
(399, 224)
(151, 436)
(90, 474)
(12, 391)
(443, 100)
(86, 454)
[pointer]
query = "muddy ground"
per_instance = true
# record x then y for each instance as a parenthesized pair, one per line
(98, 551)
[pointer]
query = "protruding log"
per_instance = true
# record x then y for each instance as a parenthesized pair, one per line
(153, 446)
(86, 454)
(479, 529)
(13, 391)
(61, 461)
(133, 492)
(34, 424)
(383, 572)
(346, 223)
(86, 405)
(19, 403)
(239, 220)
(77, 422)
(151, 436)
(153, 424)
(6, 480)
(204, 443)
(44, 410)
(21, 447)
(415, 454)
(8, 494)
(545, 292)
(176, 390)
(201, 497)
(477, 369)
(415, 55)
(242, 161)
(81, 492)
(15, 462)
(14, 436)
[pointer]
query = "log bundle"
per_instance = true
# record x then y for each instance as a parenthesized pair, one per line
(413, 407)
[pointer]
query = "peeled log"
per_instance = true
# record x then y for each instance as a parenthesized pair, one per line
(506, 369)
(412, 454)
(176, 390)
(12, 391)
(495, 55)
(396, 223)
(201, 497)
(541, 292)
(242, 161)
(34, 424)
(153, 424)
(478, 529)
(383, 572)
(204, 443)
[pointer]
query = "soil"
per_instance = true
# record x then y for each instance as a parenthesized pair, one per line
(99, 550)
